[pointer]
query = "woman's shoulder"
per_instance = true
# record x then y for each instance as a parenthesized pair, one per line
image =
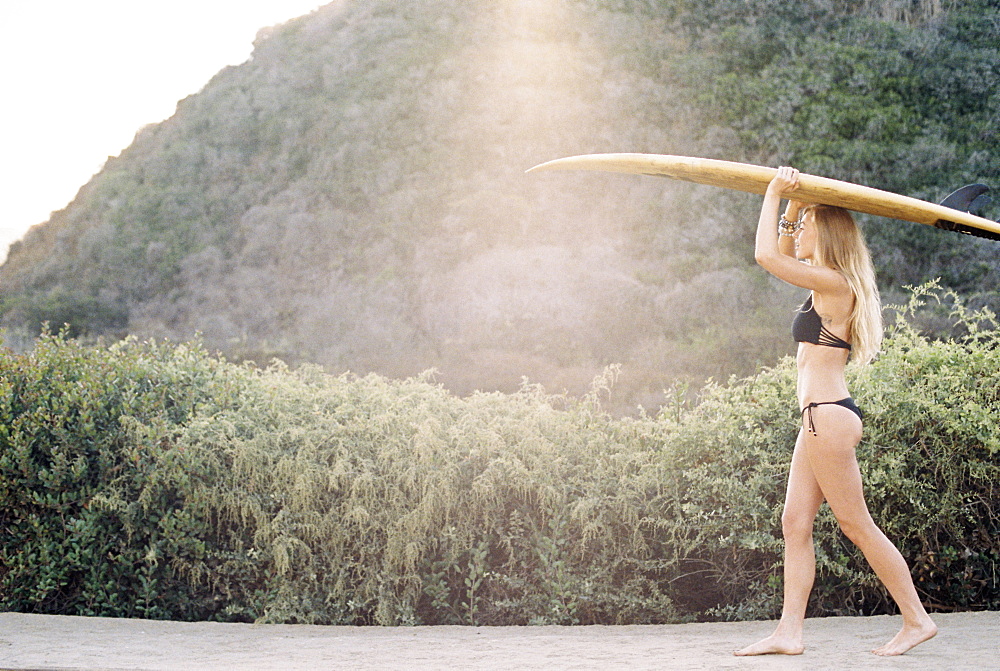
(835, 300)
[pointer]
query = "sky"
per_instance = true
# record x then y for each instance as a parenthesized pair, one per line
(78, 79)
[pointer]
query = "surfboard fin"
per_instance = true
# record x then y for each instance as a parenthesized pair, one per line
(972, 199)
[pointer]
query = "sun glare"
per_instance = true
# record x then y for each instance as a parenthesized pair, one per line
(532, 64)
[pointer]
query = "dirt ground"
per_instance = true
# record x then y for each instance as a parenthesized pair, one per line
(966, 641)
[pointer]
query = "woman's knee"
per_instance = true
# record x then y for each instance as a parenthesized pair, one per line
(796, 525)
(858, 529)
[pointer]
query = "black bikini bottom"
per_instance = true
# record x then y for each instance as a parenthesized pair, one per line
(844, 403)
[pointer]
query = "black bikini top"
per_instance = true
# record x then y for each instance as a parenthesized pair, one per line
(808, 327)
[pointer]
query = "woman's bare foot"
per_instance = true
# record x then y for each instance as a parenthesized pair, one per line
(908, 637)
(773, 645)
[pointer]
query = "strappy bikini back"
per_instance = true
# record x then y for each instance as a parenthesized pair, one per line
(808, 327)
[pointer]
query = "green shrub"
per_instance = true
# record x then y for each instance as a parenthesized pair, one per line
(146, 480)
(64, 417)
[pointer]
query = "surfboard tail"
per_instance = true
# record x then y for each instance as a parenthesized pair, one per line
(968, 230)
(971, 198)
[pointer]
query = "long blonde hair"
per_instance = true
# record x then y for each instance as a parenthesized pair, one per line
(841, 246)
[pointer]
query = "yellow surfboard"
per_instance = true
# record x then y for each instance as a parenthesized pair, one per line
(812, 189)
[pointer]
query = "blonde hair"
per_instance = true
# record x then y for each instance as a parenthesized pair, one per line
(841, 246)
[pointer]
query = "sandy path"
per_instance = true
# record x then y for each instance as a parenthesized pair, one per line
(966, 641)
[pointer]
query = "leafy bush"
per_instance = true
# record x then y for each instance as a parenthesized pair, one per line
(144, 480)
(159, 481)
(65, 415)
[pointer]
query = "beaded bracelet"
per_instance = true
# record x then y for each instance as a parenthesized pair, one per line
(787, 228)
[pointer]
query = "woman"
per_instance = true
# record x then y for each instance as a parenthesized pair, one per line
(841, 316)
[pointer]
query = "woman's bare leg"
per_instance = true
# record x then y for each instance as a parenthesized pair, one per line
(802, 501)
(834, 464)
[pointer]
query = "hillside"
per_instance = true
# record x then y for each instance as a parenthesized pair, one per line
(354, 195)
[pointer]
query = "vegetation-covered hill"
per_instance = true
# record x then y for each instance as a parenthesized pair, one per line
(354, 194)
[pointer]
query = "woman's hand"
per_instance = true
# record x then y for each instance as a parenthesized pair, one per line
(784, 183)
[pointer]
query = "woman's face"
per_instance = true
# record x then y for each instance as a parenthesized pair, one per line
(805, 239)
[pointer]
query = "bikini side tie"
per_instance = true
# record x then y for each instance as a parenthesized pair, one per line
(809, 409)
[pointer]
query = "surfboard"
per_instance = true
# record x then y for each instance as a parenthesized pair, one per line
(812, 188)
